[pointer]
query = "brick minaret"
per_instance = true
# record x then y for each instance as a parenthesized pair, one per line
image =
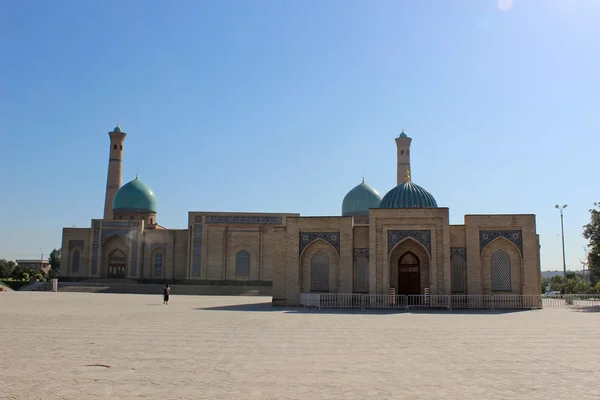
(403, 157)
(115, 169)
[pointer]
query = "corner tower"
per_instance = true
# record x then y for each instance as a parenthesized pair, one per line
(115, 169)
(403, 157)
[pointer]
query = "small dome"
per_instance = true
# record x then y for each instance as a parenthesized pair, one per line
(408, 195)
(359, 200)
(403, 134)
(135, 196)
(117, 128)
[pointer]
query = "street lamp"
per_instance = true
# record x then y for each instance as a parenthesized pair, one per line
(562, 231)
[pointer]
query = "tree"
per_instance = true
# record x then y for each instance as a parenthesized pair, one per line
(54, 260)
(6, 268)
(591, 232)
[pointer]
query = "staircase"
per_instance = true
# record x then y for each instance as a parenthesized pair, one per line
(139, 288)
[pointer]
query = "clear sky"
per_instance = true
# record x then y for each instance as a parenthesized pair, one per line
(281, 106)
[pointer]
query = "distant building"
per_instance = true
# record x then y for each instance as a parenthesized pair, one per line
(41, 265)
(403, 241)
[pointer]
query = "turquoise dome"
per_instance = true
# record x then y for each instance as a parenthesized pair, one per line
(117, 128)
(408, 195)
(135, 196)
(359, 200)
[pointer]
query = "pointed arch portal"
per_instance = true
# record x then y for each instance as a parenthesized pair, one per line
(409, 274)
(116, 264)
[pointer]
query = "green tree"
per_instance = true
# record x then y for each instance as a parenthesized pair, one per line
(54, 260)
(572, 283)
(6, 268)
(591, 232)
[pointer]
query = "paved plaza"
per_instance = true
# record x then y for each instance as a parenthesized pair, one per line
(102, 346)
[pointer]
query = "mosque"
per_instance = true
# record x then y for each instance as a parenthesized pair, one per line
(402, 242)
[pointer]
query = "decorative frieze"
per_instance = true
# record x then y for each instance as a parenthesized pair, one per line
(513, 236)
(95, 246)
(421, 236)
(196, 256)
(332, 238)
(358, 252)
(121, 224)
(75, 243)
(134, 252)
(244, 219)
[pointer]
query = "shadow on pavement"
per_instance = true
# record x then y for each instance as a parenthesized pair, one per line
(267, 307)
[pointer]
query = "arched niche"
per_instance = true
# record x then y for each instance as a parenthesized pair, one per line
(514, 259)
(115, 258)
(409, 247)
(306, 265)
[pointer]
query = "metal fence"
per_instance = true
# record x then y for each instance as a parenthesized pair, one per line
(489, 302)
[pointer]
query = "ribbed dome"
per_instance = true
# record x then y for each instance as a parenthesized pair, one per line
(135, 196)
(359, 200)
(408, 195)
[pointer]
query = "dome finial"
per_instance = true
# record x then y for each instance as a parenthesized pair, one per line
(137, 174)
(407, 175)
(402, 129)
(363, 178)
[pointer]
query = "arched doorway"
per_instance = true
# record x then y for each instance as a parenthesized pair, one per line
(116, 264)
(409, 274)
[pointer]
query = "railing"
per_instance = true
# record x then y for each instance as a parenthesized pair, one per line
(489, 302)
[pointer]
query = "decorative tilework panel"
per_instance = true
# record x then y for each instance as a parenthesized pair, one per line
(458, 250)
(124, 233)
(121, 224)
(197, 250)
(421, 236)
(513, 236)
(244, 219)
(95, 245)
(156, 246)
(319, 272)
(500, 271)
(361, 252)
(134, 252)
(75, 243)
(332, 238)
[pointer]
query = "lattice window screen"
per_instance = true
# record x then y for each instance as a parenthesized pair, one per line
(362, 275)
(501, 271)
(158, 264)
(75, 261)
(458, 273)
(242, 264)
(319, 273)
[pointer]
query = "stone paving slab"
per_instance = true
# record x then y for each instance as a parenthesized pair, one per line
(103, 346)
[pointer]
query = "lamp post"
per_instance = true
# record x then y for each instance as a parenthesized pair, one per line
(562, 232)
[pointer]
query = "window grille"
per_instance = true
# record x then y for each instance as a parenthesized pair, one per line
(362, 275)
(158, 264)
(75, 261)
(500, 271)
(319, 273)
(457, 264)
(242, 264)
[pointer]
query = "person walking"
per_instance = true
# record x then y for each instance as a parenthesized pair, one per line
(166, 293)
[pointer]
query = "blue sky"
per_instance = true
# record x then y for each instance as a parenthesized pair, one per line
(281, 106)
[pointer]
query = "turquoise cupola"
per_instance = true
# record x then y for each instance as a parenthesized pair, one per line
(408, 195)
(135, 196)
(358, 200)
